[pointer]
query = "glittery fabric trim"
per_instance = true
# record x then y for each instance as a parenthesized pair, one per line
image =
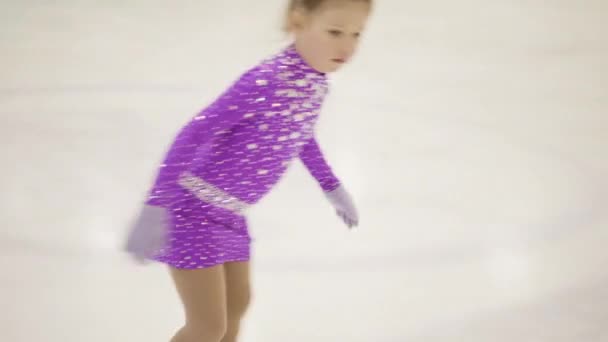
(211, 194)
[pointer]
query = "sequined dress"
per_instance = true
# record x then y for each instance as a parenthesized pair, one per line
(232, 153)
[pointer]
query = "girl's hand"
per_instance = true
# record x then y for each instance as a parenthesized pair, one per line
(345, 208)
(148, 234)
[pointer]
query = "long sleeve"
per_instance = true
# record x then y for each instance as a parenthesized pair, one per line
(196, 138)
(187, 149)
(239, 145)
(312, 157)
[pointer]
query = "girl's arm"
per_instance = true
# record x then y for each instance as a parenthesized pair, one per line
(312, 157)
(314, 160)
(198, 135)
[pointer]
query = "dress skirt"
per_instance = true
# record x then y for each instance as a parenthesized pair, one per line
(201, 235)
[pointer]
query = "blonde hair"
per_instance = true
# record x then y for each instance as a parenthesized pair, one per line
(308, 6)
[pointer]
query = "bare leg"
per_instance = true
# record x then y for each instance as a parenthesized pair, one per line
(238, 294)
(203, 294)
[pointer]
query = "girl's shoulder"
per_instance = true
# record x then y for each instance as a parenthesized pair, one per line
(283, 68)
(283, 74)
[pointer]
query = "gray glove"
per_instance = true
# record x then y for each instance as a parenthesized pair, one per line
(345, 208)
(148, 234)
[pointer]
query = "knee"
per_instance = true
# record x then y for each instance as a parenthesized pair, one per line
(238, 305)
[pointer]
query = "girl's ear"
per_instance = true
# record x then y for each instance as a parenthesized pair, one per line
(297, 19)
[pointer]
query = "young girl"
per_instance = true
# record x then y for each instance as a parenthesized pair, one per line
(231, 154)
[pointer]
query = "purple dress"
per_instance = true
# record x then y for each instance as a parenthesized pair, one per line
(232, 154)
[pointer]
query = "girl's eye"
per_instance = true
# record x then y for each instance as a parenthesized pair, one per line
(335, 33)
(357, 35)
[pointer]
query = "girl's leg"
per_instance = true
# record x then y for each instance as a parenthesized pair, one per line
(238, 294)
(203, 294)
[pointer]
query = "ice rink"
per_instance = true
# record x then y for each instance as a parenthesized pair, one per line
(472, 134)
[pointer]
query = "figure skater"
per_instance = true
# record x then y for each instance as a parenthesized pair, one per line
(231, 154)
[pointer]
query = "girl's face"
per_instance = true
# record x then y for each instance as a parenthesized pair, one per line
(328, 37)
